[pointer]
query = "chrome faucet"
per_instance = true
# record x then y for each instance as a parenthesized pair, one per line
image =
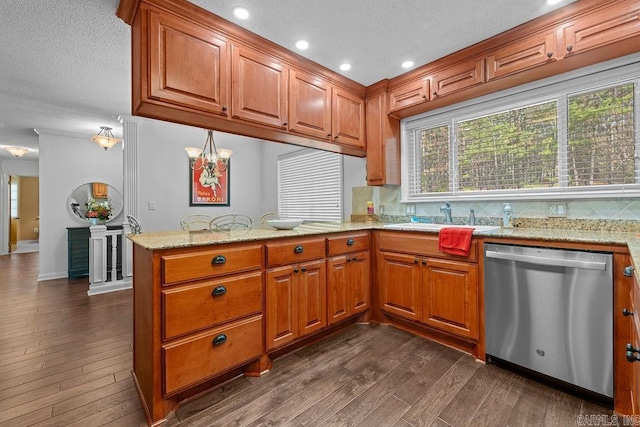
(447, 212)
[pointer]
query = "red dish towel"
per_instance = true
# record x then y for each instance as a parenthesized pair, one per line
(455, 240)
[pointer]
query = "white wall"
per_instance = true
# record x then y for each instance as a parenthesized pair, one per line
(163, 174)
(19, 167)
(66, 162)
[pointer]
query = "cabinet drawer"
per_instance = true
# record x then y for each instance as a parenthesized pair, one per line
(423, 244)
(194, 307)
(293, 251)
(203, 264)
(197, 358)
(347, 243)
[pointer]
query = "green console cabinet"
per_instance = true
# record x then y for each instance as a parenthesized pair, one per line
(78, 252)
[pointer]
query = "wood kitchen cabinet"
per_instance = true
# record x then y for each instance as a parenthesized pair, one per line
(309, 104)
(197, 315)
(408, 94)
(174, 42)
(383, 138)
(453, 79)
(529, 52)
(296, 292)
(632, 315)
(348, 277)
(259, 87)
(608, 25)
(418, 282)
(347, 118)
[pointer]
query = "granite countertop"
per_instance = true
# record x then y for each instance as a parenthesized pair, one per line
(182, 239)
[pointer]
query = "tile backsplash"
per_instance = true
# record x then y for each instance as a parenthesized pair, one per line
(386, 201)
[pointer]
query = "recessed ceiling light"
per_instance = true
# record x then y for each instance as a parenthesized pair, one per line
(302, 44)
(345, 67)
(407, 64)
(241, 13)
(552, 2)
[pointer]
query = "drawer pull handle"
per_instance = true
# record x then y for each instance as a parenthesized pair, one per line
(298, 249)
(218, 259)
(350, 242)
(630, 349)
(626, 312)
(220, 339)
(632, 357)
(218, 290)
(628, 271)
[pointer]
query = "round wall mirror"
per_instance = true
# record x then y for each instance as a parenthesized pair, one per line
(95, 200)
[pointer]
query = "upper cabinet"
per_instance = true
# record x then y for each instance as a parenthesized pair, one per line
(408, 94)
(532, 51)
(459, 77)
(619, 21)
(319, 109)
(174, 42)
(347, 118)
(192, 67)
(259, 87)
(309, 104)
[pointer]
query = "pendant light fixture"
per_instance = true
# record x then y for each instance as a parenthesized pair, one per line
(105, 138)
(209, 157)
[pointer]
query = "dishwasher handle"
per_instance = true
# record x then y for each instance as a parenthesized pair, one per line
(556, 262)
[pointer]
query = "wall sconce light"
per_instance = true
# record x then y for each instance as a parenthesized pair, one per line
(16, 151)
(105, 138)
(209, 158)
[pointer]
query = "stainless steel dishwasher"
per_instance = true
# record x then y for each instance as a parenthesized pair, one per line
(550, 311)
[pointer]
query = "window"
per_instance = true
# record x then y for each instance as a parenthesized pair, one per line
(576, 138)
(14, 198)
(310, 185)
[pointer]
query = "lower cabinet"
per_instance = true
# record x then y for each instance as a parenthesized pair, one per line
(347, 286)
(429, 288)
(295, 302)
(634, 341)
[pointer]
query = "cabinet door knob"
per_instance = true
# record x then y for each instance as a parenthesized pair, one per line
(224, 108)
(295, 270)
(435, 93)
(284, 124)
(424, 262)
(218, 259)
(632, 357)
(630, 349)
(218, 290)
(628, 271)
(348, 259)
(298, 249)
(304, 269)
(220, 339)
(626, 312)
(350, 242)
(424, 96)
(549, 54)
(335, 137)
(569, 48)
(415, 261)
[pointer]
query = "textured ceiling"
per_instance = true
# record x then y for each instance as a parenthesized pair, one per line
(65, 65)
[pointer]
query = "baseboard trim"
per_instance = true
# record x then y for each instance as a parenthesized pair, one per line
(109, 287)
(52, 276)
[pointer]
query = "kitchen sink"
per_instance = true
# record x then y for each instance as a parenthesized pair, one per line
(421, 226)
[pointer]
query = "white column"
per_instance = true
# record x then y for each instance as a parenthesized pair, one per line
(130, 188)
(98, 255)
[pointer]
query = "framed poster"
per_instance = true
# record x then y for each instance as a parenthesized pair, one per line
(206, 190)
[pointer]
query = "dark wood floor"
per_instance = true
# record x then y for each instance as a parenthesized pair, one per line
(65, 360)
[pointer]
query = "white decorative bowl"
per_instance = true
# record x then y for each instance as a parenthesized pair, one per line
(284, 224)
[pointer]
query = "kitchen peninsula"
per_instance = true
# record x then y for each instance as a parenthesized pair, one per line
(209, 306)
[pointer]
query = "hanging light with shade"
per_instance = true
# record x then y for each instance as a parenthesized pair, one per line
(105, 138)
(209, 157)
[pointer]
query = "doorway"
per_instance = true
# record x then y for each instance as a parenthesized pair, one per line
(24, 224)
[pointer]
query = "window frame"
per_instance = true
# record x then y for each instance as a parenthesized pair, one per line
(558, 88)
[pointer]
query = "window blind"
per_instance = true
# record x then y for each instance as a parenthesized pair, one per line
(310, 185)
